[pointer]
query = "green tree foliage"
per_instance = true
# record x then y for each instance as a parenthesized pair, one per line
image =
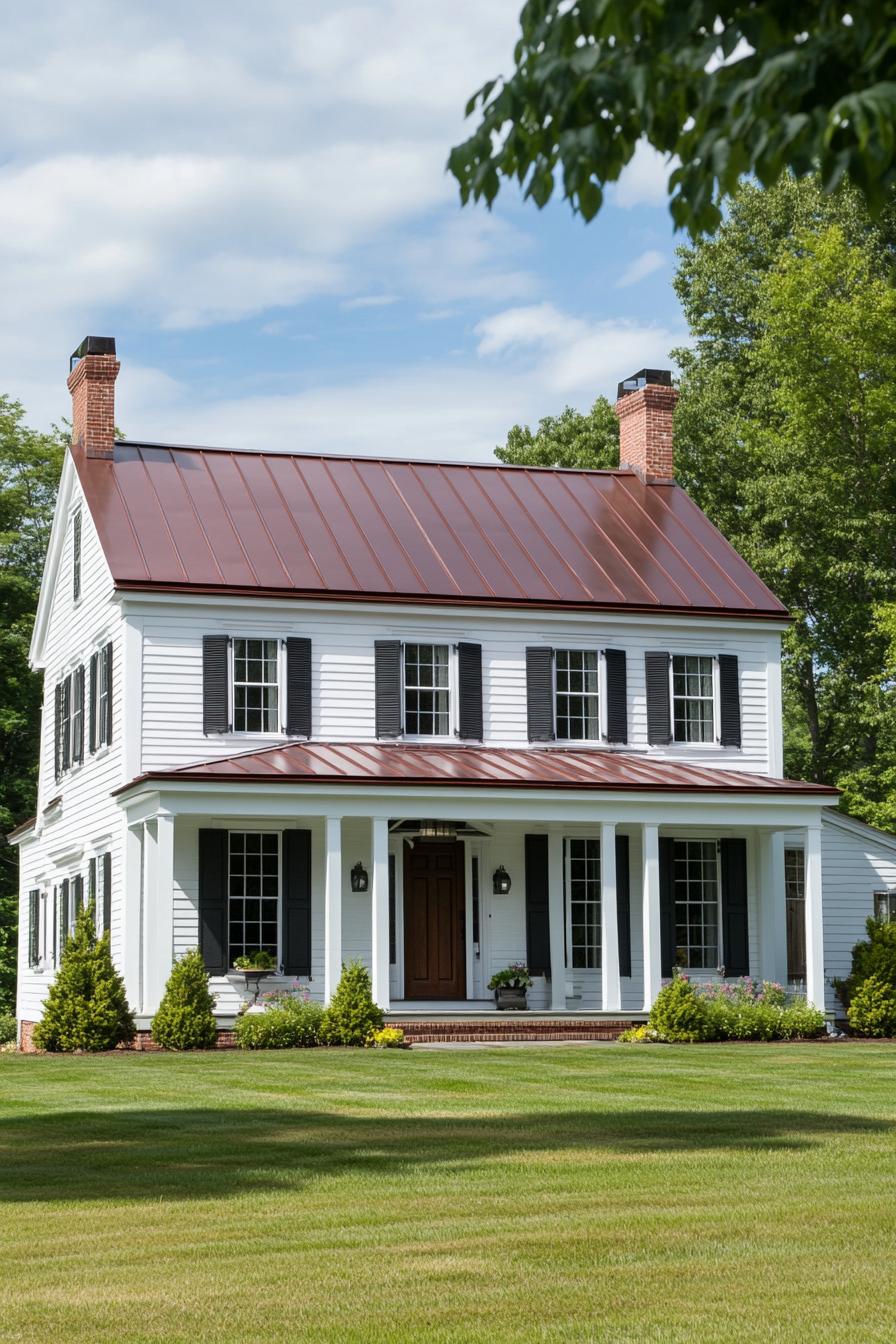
(87, 1007)
(30, 464)
(571, 439)
(729, 90)
(874, 956)
(186, 1016)
(872, 1011)
(352, 1014)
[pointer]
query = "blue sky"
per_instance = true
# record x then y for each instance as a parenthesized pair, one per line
(252, 200)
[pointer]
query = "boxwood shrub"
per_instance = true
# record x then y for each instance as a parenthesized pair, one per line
(872, 1009)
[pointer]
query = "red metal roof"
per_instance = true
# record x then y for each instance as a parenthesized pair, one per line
(497, 767)
(288, 524)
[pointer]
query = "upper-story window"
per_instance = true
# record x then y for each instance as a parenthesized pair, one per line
(427, 707)
(577, 694)
(76, 556)
(693, 698)
(256, 686)
(101, 697)
(885, 906)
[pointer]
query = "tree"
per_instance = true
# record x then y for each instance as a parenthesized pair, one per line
(725, 90)
(571, 439)
(87, 1007)
(30, 464)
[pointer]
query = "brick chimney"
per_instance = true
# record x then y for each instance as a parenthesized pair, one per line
(91, 382)
(644, 404)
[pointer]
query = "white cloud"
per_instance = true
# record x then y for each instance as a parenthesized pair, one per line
(640, 268)
(644, 180)
(369, 301)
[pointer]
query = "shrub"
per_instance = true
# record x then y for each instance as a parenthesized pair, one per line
(186, 1016)
(7, 1028)
(352, 1014)
(875, 956)
(387, 1038)
(288, 1024)
(87, 1007)
(762, 1020)
(679, 1013)
(639, 1035)
(872, 1011)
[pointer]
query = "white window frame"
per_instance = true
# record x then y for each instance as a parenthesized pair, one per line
(281, 682)
(259, 830)
(720, 949)
(451, 734)
(713, 742)
(889, 895)
(85, 715)
(567, 893)
(601, 697)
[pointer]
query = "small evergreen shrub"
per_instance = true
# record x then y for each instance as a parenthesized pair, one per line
(387, 1038)
(288, 1024)
(875, 955)
(872, 1010)
(352, 1014)
(87, 1007)
(7, 1028)
(186, 1016)
(679, 1013)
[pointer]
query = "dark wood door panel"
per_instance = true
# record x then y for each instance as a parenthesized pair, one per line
(434, 907)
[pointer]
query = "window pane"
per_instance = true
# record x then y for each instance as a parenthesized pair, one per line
(578, 700)
(253, 899)
(583, 898)
(696, 903)
(426, 694)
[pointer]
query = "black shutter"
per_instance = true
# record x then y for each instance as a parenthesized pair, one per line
(107, 891)
(540, 694)
(33, 930)
(729, 700)
(659, 720)
(623, 906)
(213, 900)
(298, 687)
(63, 913)
(735, 925)
(617, 695)
(538, 928)
(57, 736)
(94, 667)
(297, 902)
(78, 730)
(67, 722)
(107, 657)
(387, 687)
(667, 906)
(91, 885)
(55, 921)
(215, 709)
(77, 894)
(392, 954)
(469, 691)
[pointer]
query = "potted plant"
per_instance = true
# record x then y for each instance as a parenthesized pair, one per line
(255, 965)
(510, 986)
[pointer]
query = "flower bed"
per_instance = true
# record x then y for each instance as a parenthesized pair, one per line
(736, 1010)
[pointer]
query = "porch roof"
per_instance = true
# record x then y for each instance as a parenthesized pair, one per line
(354, 763)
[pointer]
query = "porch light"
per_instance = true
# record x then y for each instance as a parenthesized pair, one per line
(500, 881)
(359, 877)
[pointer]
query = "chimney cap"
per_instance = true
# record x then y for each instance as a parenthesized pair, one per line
(92, 345)
(662, 377)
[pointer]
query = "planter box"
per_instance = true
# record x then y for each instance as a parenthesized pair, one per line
(507, 997)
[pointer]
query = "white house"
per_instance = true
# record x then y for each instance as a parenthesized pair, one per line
(437, 716)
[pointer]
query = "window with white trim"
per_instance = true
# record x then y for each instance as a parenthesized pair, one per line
(693, 698)
(795, 904)
(256, 686)
(696, 895)
(885, 906)
(101, 666)
(253, 893)
(427, 692)
(76, 556)
(577, 694)
(582, 873)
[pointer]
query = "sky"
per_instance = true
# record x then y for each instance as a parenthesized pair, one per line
(252, 199)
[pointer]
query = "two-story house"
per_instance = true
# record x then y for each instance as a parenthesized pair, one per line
(437, 716)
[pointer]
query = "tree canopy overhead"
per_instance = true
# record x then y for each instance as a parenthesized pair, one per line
(723, 89)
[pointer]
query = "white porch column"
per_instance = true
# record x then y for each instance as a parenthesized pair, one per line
(158, 907)
(333, 907)
(130, 908)
(772, 908)
(555, 921)
(650, 922)
(814, 926)
(611, 989)
(379, 912)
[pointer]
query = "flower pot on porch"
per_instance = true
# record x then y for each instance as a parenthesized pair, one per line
(511, 996)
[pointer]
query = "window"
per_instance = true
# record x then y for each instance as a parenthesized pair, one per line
(254, 887)
(795, 899)
(76, 556)
(692, 698)
(583, 903)
(63, 725)
(256, 686)
(426, 694)
(695, 879)
(77, 716)
(101, 697)
(577, 694)
(885, 906)
(33, 927)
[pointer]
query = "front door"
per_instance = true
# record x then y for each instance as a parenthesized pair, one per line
(434, 911)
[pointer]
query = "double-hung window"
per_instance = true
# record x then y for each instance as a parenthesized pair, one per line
(427, 693)
(696, 896)
(885, 906)
(577, 694)
(795, 902)
(693, 698)
(583, 902)
(256, 686)
(254, 892)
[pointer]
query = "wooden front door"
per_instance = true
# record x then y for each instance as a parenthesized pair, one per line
(434, 912)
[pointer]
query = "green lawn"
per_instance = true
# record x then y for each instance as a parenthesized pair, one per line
(622, 1193)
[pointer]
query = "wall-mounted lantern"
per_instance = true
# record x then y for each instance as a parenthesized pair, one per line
(359, 877)
(500, 881)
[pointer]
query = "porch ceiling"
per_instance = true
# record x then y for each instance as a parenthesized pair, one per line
(360, 763)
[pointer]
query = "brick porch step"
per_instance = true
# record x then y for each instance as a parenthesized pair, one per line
(428, 1031)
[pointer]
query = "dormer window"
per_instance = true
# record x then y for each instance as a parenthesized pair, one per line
(427, 708)
(76, 556)
(256, 686)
